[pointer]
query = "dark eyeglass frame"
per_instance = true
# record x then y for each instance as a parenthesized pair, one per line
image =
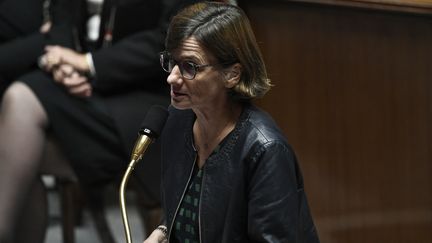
(182, 65)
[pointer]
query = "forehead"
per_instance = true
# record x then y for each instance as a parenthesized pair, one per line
(191, 48)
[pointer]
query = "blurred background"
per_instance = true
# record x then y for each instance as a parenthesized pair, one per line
(86, 229)
(353, 94)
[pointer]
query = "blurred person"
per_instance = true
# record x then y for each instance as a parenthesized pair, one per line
(228, 173)
(26, 26)
(19, 18)
(91, 95)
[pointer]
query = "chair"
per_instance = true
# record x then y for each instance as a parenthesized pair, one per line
(55, 164)
(73, 199)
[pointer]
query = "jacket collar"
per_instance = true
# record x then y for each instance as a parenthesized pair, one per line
(228, 146)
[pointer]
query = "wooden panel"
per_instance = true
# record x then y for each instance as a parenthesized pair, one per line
(353, 95)
(407, 6)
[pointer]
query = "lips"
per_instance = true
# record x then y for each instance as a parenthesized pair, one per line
(176, 93)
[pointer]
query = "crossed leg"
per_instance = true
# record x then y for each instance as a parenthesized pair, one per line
(22, 137)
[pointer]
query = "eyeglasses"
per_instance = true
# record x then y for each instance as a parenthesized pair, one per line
(188, 69)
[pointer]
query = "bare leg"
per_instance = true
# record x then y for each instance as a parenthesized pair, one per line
(22, 136)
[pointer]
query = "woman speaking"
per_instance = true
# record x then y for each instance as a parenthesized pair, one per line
(228, 173)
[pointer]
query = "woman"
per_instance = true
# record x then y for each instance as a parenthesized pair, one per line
(228, 173)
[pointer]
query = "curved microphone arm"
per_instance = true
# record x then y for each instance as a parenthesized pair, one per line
(140, 146)
(123, 201)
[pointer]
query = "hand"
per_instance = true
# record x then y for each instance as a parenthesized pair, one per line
(76, 83)
(45, 27)
(49, 62)
(57, 55)
(62, 71)
(156, 237)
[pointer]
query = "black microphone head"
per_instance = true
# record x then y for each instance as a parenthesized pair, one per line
(154, 121)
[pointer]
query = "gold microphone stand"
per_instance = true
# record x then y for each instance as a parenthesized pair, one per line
(140, 146)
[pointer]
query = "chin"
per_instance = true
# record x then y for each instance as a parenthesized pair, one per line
(179, 106)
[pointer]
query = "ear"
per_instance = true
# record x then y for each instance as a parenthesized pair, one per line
(232, 75)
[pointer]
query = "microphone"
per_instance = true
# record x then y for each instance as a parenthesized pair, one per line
(151, 128)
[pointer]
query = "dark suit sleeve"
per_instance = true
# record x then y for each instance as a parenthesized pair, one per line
(278, 210)
(134, 60)
(63, 13)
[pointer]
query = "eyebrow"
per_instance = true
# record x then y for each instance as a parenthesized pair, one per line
(189, 57)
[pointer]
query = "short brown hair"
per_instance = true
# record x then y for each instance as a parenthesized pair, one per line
(225, 31)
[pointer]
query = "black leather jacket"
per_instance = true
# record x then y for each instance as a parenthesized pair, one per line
(252, 188)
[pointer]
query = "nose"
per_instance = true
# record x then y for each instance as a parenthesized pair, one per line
(175, 75)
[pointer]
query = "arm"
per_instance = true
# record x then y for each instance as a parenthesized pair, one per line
(62, 16)
(130, 61)
(68, 68)
(275, 195)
